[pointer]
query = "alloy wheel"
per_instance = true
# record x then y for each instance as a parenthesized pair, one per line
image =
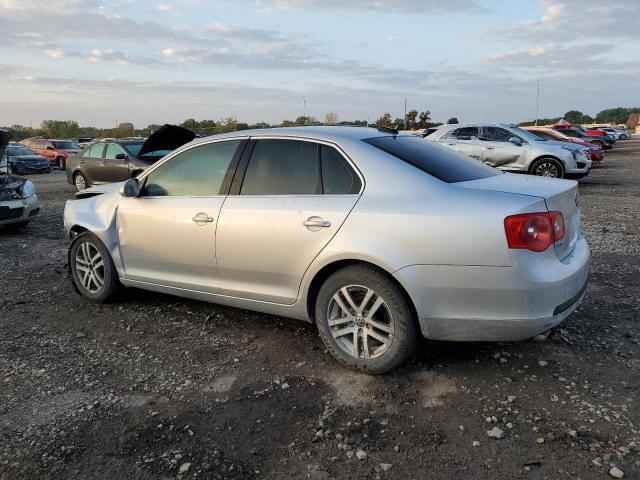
(80, 183)
(547, 169)
(360, 321)
(90, 267)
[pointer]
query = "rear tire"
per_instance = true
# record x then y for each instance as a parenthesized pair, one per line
(599, 144)
(93, 273)
(547, 167)
(376, 336)
(80, 182)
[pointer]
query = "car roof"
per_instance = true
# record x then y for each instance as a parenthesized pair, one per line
(479, 124)
(327, 133)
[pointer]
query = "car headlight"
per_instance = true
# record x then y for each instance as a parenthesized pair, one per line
(27, 190)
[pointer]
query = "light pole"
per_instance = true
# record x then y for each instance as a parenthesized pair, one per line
(538, 102)
(405, 113)
(304, 109)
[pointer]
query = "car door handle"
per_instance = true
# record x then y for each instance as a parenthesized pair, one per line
(490, 148)
(316, 222)
(104, 164)
(202, 218)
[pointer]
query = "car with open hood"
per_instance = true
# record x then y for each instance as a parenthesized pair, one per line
(18, 200)
(116, 159)
(20, 160)
(377, 238)
(509, 148)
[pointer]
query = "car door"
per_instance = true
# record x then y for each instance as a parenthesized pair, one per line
(289, 198)
(90, 163)
(464, 140)
(115, 164)
(167, 234)
(497, 151)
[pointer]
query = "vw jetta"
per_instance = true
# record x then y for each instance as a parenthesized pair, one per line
(378, 238)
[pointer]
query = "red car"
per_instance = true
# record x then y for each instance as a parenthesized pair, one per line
(56, 151)
(597, 153)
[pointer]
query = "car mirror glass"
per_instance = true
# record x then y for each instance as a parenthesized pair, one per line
(130, 188)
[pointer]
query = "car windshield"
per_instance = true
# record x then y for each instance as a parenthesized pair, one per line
(528, 135)
(66, 145)
(132, 148)
(15, 151)
(436, 160)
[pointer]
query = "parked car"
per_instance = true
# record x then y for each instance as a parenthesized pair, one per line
(56, 151)
(21, 160)
(376, 237)
(18, 200)
(603, 142)
(510, 148)
(115, 160)
(617, 134)
(596, 153)
(83, 142)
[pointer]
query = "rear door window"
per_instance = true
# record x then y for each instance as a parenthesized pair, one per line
(282, 167)
(94, 151)
(437, 160)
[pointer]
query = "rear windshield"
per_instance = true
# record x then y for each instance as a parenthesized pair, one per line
(436, 160)
(66, 145)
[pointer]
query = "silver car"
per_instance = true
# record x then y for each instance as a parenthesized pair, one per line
(510, 148)
(377, 238)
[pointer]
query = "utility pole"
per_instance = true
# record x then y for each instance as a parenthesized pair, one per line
(304, 108)
(538, 102)
(405, 113)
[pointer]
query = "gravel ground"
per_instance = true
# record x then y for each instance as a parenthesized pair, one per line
(159, 387)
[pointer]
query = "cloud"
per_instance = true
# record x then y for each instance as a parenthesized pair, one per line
(572, 20)
(167, 8)
(400, 6)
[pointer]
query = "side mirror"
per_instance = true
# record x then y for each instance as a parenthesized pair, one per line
(515, 140)
(121, 156)
(48, 147)
(130, 188)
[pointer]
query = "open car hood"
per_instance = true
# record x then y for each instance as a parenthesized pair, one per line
(167, 137)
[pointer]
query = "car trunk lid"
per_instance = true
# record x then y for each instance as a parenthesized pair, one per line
(559, 196)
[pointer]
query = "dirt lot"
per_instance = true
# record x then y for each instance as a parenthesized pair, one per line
(159, 387)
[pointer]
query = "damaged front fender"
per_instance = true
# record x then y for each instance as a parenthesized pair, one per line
(97, 215)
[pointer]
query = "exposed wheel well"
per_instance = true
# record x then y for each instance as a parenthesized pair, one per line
(135, 173)
(328, 270)
(77, 230)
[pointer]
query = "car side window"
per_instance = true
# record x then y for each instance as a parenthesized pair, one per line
(112, 150)
(196, 172)
(465, 133)
(496, 134)
(338, 178)
(282, 167)
(95, 151)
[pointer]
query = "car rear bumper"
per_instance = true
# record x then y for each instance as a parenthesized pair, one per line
(476, 303)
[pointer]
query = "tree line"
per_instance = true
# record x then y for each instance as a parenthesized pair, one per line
(616, 116)
(412, 121)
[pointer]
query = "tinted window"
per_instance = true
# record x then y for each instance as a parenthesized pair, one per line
(66, 145)
(544, 135)
(198, 171)
(436, 160)
(112, 150)
(464, 133)
(94, 151)
(282, 167)
(18, 150)
(337, 176)
(495, 134)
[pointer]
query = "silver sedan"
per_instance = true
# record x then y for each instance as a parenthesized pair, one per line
(377, 238)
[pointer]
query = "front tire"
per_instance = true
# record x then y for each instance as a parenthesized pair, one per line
(93, 273)
(365, 321)
(547, 167)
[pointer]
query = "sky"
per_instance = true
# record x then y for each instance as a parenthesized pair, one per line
(101, 62)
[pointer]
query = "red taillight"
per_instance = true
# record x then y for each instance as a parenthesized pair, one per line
(534, 231)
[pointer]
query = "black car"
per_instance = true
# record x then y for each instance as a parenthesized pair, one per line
(118, 159)
(21, 160)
